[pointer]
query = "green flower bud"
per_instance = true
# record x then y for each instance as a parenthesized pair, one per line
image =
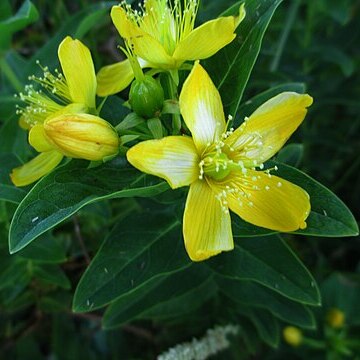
(146, 97)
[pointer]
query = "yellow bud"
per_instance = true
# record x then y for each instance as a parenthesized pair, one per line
(335, 318)
(292, 335)
(82, 136)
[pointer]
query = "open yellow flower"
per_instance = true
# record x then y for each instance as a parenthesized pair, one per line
(220, 166)
(163, 37)
(63, 104)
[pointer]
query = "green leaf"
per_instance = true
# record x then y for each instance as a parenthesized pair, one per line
(26, 15)
(46, 249)
(254, 295)
(329, 215)
(93, 19)
(231, 67)
(265, 323)
(52, 274)
(269, 261)
(291, 154)
(171, 296)
(138, 250)
(9, 192)
(69, 188)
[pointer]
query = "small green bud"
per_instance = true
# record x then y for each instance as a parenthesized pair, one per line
(146, 97)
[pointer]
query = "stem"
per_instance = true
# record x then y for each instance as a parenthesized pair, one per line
(176, 120)
(81, 240)
(9, 73)
(285, 34)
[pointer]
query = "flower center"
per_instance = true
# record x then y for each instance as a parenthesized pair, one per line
(215, 166)
(167, 23)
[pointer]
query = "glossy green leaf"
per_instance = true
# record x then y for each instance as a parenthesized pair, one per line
(268, 261)
(231, 67)
(69, 188)
(254, 295)
(172, 296)
(139, 249)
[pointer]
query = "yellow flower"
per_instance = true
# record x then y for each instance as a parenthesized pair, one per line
(163, 37)
(219, 166)
(64, 98)
(335, 318)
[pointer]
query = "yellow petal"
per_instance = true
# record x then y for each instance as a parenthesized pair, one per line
(209, 38)
(114, 78)
(266, 201)
(38, 139)
(269, 127)
(201, 108)
(78, 68)
(142, 44)
(206, 227)
(172, 158)
(36, 168)
(82, 136)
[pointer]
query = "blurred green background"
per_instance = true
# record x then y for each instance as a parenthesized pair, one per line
(314, 42)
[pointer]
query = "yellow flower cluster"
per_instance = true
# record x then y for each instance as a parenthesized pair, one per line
(223, 167)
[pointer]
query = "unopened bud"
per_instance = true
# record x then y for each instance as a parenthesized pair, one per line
(335, 318)
(82, 136)
(146, 97)
(293, 336)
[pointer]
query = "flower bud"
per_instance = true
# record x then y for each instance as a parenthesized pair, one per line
(82, 136)
(293, 336)
(146, 97)
(335, 318)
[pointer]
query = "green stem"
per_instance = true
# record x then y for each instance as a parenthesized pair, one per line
(9, 73)
(176, 120)
(315, 344)
(285, 34)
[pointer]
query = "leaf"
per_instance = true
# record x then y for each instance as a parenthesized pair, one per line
(26, 15)
(52, 274)
(45, 250)
(170, 296)
(268, 261)
(254, 295)
(291, 154)
(329, 215)
(266, 325)
(69, 188)
(231, 67)
(138, 250)
(9, 192)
